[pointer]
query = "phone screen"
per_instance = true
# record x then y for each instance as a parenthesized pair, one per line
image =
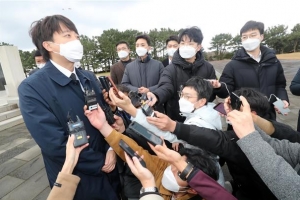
(148, 135)
(220, 108)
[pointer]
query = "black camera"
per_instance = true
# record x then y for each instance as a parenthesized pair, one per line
(77, 128)
(148, 110)
(136, 98)
(90, 99)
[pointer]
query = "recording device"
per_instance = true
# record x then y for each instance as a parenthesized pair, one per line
(279, 105)
(220, 108)
(137, 99)
(90, 99)
(235, 101)
(107, 83)
(104, 106)
(130, 152)
(77, 128)
(145, 133)
(112, 84)
(148, 110)
(104, 82)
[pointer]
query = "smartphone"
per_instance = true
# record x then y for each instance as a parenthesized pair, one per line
(235, 101)
(145, 133)
(112, 84)
(148, 110)
(220, 108)
(130, 152)
(280, 105)
(104, 83)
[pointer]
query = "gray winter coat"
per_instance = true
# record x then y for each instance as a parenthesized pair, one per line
(274, 160)
(142, 74)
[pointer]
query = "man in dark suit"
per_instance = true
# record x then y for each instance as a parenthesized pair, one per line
(53, 97)
(172, 46)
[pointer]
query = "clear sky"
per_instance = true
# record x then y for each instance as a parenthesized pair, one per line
(92, 17)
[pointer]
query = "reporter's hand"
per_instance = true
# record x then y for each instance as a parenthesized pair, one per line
(164, 153)
(110, 161)
(286, 104)
(175, 146)
(162, 121)
(170, 156)
(119, 124)
(242, 121)
(152, 98)
(122, 103)
(142, 173)
(106, 98)
(72, 155)
(215, 83)
(143, 90)
(96, 117)
(227, 105)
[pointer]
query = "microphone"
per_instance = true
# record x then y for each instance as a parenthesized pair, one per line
(74, 80)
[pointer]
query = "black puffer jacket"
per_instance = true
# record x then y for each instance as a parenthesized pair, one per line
(175, 75)
(267, 76)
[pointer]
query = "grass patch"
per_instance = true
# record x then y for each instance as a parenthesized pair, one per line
(103, 74)
(289, 56)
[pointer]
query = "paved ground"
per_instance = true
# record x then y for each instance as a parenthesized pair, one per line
(22, 173)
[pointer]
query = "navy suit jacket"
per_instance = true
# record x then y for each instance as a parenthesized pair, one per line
(46, 99)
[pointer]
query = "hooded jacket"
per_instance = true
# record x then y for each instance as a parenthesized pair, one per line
(175, 75)
(206, 117)
(265, 76)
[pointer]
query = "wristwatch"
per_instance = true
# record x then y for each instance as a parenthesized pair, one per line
(148, 189)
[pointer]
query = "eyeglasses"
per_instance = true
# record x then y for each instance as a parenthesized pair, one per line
(186, 96)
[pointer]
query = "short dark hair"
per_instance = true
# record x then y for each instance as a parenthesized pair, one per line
(43, 30)
(203, 88)
(172, 38)
(203, 160)
(123, 88)
(37, 53)
(194, 33)
(252, 25)
(123, 42)
(145, 37)
(258, 102)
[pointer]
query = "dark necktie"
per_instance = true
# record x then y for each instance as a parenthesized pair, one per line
(74, 80)
(76, 86)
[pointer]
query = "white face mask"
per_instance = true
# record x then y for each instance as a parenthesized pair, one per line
(141, 51)
(251, 44)
(120, 109)
(187, 51)
(185, 106)
(171, 51)
(72, 51)
(169, 182)
(123, 54)
(41, 65)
